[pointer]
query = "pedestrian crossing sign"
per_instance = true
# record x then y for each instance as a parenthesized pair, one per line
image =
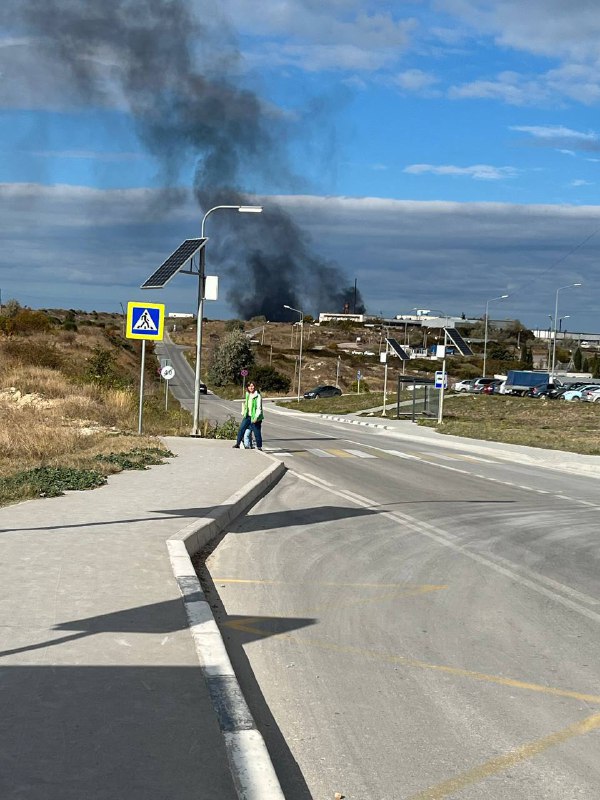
(145, 321)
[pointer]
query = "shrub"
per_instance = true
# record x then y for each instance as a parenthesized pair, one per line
(364, 387)
(234, 325)
(33, 353)
(269, 379)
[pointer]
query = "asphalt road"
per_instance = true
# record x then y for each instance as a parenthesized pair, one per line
(414, 623)
(182, 385)
(411, 622)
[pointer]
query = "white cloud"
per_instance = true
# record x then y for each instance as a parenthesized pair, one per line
(320, 57)
(484, 172)
(414, 80)
(543, 27)
(554, 132)
(581, 182)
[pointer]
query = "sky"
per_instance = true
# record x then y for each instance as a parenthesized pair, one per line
(440, 153)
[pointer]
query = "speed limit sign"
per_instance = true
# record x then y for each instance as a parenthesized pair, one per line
(167, 373)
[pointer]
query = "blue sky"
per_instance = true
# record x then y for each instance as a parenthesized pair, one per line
(442, 153)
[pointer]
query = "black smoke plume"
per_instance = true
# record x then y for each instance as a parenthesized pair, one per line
(178, 74)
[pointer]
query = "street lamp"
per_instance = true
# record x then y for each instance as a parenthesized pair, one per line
(560, 288)
(485, 337)
(201, 283)
(297, 310)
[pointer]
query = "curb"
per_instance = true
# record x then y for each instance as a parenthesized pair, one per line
(251, 767)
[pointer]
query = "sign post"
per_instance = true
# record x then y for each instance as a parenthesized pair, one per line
(358, 377)
(244, 374)
(144, 321)
(167, 372)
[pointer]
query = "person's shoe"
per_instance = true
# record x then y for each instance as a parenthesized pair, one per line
(259, 448)
(235, 446)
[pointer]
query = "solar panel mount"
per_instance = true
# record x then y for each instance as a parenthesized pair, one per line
(399, 351)
(172, 265)
(458, 341)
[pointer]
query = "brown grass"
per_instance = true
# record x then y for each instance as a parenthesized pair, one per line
(552, 424)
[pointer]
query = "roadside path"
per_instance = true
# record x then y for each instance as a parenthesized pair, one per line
(101, 691)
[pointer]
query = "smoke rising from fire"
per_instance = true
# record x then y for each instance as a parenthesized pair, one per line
(180, 79)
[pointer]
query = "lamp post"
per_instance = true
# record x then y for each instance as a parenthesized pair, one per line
(297, 310)
(560, 288)
(201, 283)
(485, 336)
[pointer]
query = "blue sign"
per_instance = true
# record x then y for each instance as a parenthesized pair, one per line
(145, 321)
(358, 375)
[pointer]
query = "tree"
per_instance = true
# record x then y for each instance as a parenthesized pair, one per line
(229, 358)
(234, 325)
(268, 379)
(527, 358)
(578, 360)
(12, 308)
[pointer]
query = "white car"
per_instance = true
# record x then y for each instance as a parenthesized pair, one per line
(464, 386)
(575, 394)
(591, 395)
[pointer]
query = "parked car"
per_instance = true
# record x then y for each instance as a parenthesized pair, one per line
(575, 394)
(322, 391)
(493, 387)
(546, 391)
(202, 388)
(479, 384)
(463, 386)
(591, 395)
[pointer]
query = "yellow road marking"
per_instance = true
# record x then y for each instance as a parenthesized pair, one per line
(413, 662)
(363, 601)
(245, 625)
(408, 586)
(341, 453)
(477, 774)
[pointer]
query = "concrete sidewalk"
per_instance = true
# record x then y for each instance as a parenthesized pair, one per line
(101, 691)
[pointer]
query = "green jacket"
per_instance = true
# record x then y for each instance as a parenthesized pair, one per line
(253, 407)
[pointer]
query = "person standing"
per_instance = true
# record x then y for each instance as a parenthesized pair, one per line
(252, 416)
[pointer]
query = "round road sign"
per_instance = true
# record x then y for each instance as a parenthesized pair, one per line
(244, 373)
(167, 373)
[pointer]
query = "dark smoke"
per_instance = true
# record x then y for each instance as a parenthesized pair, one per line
(179, 79)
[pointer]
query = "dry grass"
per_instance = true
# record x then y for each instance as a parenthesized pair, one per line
(552, 424)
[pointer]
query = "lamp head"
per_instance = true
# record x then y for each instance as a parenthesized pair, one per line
(250, 209)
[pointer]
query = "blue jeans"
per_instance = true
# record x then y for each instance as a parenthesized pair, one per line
(255, 428)
(244, 425)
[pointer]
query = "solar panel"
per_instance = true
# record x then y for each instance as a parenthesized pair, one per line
(173, 264)
(458, 341)
(402, 354)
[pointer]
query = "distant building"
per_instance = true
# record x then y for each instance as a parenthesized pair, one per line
(343, 317)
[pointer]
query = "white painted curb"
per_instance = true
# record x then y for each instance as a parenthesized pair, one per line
(251, 767)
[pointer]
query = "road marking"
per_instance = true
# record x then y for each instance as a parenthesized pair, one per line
(445, 538)
(406, 661)
(320, 453)
(402, 586)
(433, 463)
(316, 479)
(341, 453)
(500, 763)
(400, 454)
(361, 454)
